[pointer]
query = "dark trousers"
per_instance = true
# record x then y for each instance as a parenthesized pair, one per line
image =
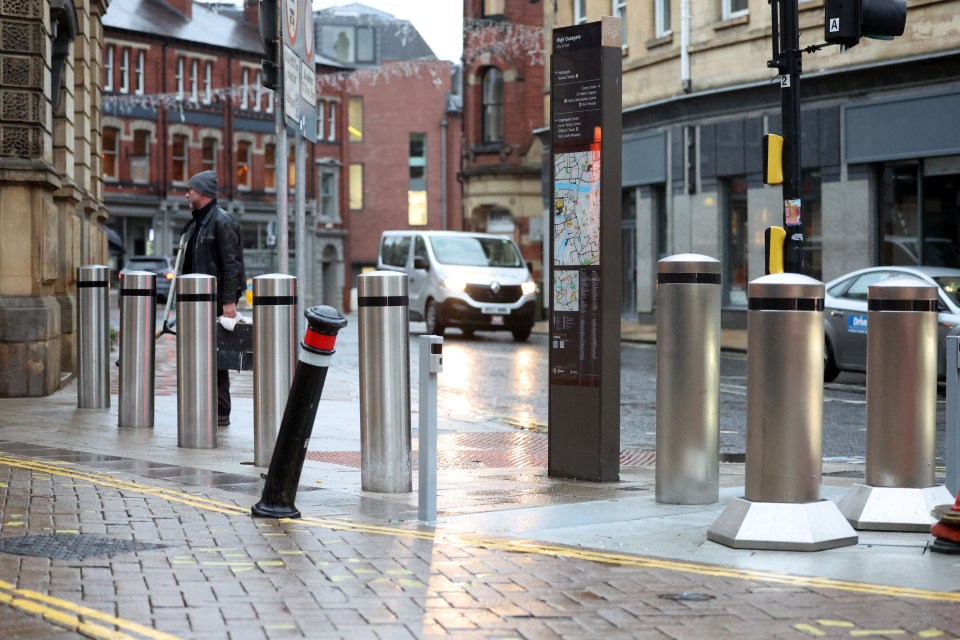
(223, 393)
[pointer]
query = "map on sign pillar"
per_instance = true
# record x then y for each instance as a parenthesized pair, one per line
(576, 262)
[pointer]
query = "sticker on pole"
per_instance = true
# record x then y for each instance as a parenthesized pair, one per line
(834, 25)
(791, 212)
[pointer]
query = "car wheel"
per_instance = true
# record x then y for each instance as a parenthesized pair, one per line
(521, 334)
(434, 326)
(830, 370)
(467, 333)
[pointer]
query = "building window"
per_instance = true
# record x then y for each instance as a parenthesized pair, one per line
(321, 120)
(662, 17)
(492, 105)
(208, 83)
(356, 186)
(270, 167)
(270, 102)
(209, 160)
(416, 208)
(332, 125)
(108, 69)
(245, 89)
(347, 43)
(139, 73)
(243, 164)
(355, 119)
(194, 80)
(180, 78)
(619, 10)
(736, 240)
(417, 193)
(125, 71)
(259, 92)
(140, 162)
(179, 157)
(735, 8)
(328, 195)
(579, 11)
(111, 148)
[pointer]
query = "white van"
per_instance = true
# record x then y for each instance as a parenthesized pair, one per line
(472, 281)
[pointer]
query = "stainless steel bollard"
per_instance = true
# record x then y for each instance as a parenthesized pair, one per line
(431, 363)
(899, 493)
(784, 389)
(138, 317)
(196, 361)
(782, 509)
(384, 382)
(688, 380)
(93, 337)
(274, 356)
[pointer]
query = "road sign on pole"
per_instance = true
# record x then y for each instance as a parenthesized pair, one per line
(299, 73)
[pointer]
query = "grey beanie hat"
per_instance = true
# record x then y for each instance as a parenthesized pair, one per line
(205, 183)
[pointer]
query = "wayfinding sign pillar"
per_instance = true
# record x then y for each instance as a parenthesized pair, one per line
(585, 257)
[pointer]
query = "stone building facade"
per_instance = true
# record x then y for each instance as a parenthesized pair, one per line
(51, 201)
(880, 140)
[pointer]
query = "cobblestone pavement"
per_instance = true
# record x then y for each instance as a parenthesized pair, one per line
(123, 556)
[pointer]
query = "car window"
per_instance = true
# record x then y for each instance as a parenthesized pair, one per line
(147, 265)
(476, 252)
(420, 248)
(950, 286)
(394, 250)
(858, 290)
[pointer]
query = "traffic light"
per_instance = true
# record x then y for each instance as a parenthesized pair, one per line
(846, 21)
(270, 35)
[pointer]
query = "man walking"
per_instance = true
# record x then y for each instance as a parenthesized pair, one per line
(215, 248)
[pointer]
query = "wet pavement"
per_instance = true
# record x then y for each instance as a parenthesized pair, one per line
(119, 533)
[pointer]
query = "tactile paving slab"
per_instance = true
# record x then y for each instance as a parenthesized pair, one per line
(71, 546)
(485, 450)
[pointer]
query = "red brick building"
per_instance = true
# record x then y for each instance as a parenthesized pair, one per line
(502, 105)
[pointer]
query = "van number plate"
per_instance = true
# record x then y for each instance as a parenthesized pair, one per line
(500, 311)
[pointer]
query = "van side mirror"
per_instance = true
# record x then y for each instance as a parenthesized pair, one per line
(419, 262)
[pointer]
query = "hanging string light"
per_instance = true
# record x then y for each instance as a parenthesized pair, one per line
(503, 39)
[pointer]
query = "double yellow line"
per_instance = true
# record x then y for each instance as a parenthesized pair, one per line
(80, 618)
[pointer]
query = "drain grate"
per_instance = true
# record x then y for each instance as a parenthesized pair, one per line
(71, 546)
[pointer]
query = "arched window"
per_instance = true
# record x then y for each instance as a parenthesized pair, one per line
(492, 105)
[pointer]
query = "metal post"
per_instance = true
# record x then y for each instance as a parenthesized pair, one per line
(953, 414)
(899, 490)
(790, 68)
(196, 361)
(280, 489)
(431, 363)
(384, 382)
(300, 229)
(275, 355)
(281, 169)
(138, 315)
(782, 509)
(688, 380)
(93, 337)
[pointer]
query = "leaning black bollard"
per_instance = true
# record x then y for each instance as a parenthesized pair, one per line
(280, 489)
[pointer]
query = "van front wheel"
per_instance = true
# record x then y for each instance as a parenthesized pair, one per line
(521, 334)
(434, 326)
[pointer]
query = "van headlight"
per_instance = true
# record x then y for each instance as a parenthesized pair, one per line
(454, 284)
(528, 288)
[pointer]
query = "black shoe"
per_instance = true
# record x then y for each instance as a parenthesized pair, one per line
(223, 421)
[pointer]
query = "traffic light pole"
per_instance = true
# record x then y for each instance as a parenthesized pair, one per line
(788, 61)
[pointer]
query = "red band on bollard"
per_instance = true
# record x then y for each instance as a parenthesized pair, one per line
(319, 341)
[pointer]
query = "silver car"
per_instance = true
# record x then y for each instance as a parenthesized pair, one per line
(845, 314)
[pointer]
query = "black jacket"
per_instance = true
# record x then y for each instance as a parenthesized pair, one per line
(216, 249)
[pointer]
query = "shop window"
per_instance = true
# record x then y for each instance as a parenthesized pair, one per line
(735, 242)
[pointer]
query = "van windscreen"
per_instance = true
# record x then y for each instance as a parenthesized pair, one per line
(475, 252)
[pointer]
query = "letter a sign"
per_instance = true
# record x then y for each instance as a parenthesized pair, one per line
(834, 25)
